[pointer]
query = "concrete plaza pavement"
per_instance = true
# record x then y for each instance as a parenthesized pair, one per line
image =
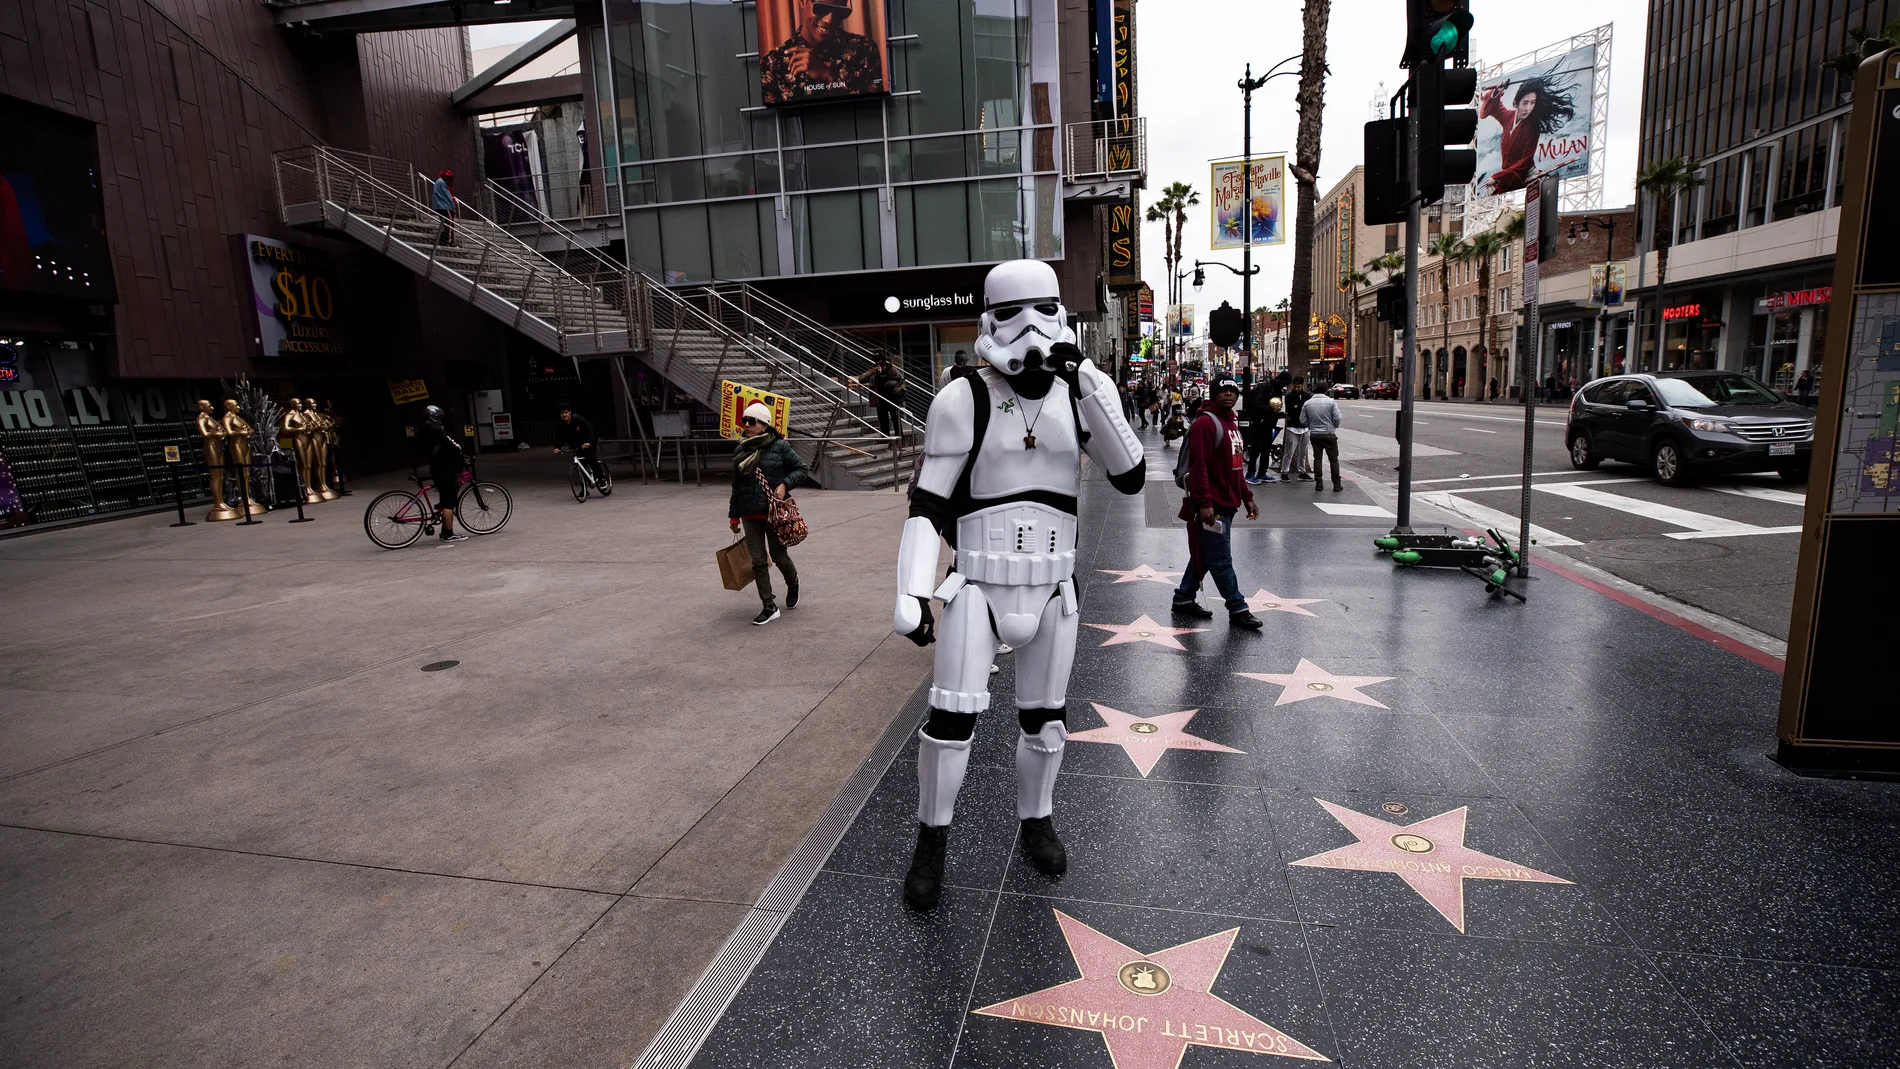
(239, 825)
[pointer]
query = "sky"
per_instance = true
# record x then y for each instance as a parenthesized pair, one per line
(1191, 53)
(1188, 67)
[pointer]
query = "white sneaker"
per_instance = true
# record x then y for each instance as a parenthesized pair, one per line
(1004, 647)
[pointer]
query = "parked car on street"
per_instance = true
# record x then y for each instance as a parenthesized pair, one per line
(1682, 424)
(1383, 391)
(1344, 389)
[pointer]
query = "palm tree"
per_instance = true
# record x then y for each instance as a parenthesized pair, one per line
(1866, 45)
(1170, 210)
(1665, 178)
(1311, 98)
(1484, 248)
(1449, 248)
(1350, 280)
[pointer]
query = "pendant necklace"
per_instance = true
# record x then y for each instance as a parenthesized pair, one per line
(1029, 425)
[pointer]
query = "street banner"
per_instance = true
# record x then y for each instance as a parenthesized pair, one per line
(1181, 320)
(733, 399)
(1268, 190)
(813, 50)
(1535, 121)
(1608, 282)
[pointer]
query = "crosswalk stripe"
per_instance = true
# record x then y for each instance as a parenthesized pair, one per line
(1765, 493)
(1485, 516)
(1698, 524)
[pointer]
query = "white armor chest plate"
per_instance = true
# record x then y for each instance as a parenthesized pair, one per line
(1005, 465)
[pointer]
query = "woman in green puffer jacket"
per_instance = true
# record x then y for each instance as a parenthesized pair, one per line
(762, 450)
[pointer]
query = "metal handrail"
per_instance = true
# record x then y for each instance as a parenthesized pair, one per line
(565, 195)
(1106, 149)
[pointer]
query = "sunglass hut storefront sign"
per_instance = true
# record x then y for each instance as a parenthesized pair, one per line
(294, 298)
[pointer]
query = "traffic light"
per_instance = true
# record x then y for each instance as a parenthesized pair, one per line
(1438, 99)
(1223, 325)
(1437, 29)
(1386, 189)
(1391, 304)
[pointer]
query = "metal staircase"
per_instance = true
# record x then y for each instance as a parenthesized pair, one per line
(574, 301)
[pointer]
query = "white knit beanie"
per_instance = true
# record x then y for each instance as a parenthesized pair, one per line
(757, 411)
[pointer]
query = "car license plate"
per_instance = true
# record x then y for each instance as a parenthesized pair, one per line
(1781, 449)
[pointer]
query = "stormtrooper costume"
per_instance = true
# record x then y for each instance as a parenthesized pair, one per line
(1001, 471)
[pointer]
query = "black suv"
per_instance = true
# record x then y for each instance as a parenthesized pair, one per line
(1684, 423)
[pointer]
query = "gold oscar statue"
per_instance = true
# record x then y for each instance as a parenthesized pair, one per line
(237, 443)
(295, 424)
(333, 438)
(212, 432)
(320, 450)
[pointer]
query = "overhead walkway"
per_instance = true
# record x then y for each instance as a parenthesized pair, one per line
(382, 16)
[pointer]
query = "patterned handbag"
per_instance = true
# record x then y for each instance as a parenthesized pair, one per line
(783, 517)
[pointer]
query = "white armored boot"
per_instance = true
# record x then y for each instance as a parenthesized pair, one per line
(941, 764)
(1038, 758)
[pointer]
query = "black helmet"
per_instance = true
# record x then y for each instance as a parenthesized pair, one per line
(433, 414)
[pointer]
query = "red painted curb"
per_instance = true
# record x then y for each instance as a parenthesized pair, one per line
(1734, 646)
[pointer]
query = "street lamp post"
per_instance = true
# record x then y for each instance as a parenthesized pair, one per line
(1248, 83)
(1607, 224)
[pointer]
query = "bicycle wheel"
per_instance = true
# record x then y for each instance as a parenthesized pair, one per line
(606, 483)
(395, 519)
(577, 482)
(484, 508)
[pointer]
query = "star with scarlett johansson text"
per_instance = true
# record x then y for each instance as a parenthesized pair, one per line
(1141, 573)
(1309, 680)
(1429, 855)
(1149, 1008)
(1146, 738)
(1144, 629)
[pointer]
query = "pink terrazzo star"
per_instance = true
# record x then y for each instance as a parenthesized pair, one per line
(1144, 629)
(1430, 856)
(1309, 680)
(1149, 1007)
(1141, 573)
(1262, 601)
(1146, 738)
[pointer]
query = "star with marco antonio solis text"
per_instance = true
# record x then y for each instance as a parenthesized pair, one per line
(1309, 680)
(1149, 1008)
(1146, 738)
(1141, 573)
(1430, 856)
(1144, 629)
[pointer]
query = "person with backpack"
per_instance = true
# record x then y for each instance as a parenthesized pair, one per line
(1212, 469)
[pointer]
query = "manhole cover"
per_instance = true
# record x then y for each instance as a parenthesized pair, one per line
(1657, 550)
(437, 666)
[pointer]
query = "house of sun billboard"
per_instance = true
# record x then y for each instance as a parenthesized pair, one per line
(1267, 188)
(1535, 121)
(812, 50)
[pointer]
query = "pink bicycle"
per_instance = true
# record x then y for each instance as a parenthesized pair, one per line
(399, 517)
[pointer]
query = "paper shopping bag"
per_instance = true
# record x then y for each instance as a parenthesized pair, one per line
(735, 566)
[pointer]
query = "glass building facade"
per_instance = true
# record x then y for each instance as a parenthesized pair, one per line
(956, 166)
(1741, 89)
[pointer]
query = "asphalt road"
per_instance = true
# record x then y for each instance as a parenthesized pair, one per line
(1727, 545)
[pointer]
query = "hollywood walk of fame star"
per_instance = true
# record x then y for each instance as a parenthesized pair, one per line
(1141, 573)
(1429, 855)
(1147, 738)
(1149, 1007)
(1311, 681)
(1262, 601)
(1144, 629)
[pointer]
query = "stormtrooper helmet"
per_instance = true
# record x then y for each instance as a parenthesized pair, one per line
(1022, 316)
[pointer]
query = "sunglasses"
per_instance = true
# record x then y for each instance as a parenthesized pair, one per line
(1009, 312)
(821, 10)
(750, 423)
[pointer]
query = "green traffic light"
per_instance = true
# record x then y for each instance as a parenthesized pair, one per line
(1444, 39)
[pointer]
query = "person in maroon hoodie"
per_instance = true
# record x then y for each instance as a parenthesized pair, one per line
(1216, 490)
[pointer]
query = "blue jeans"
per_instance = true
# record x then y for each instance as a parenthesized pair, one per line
(1211, 554)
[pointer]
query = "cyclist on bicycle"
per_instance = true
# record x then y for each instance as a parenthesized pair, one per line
(576, 433)
(446, 464)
